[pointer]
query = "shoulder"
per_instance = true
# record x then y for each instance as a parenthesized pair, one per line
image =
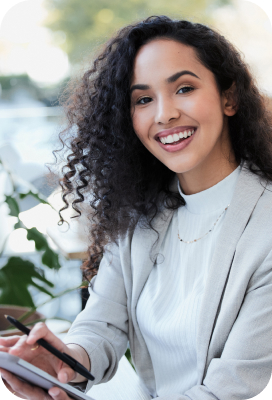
(262, 214)
(258, 184)
(253, 201)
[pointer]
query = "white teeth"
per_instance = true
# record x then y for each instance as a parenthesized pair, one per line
(176, 137)
(169, 139)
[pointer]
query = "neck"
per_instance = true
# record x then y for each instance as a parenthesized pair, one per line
(205, 176)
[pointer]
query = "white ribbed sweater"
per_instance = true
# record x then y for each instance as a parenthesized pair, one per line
(169, 304)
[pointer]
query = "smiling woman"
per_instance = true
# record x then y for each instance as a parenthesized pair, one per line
(180, 108)
(172, 154)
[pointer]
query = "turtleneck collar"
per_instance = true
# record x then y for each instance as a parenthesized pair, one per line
(215, 198)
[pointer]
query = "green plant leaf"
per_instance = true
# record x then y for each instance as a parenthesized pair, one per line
(15, 278)
(13, 206)
(37, 196)
(51, 259)
(38, 237)
(42, 289)
(19, 224)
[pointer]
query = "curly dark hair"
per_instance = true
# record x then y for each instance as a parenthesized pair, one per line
(109, 168)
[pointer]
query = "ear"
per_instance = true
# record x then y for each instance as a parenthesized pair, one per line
(230, 101)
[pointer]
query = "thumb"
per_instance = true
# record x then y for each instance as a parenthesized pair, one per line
(66, 375)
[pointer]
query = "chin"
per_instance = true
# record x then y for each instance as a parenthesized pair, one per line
(180, 168)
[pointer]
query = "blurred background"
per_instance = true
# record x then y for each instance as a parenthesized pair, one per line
(43, 43)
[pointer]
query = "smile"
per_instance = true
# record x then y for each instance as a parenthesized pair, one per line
(176, 137)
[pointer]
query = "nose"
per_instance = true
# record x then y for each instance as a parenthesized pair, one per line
(166, 111)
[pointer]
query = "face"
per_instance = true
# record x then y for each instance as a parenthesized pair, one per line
(177, 110)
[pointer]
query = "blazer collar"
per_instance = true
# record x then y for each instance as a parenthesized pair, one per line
(247, 192)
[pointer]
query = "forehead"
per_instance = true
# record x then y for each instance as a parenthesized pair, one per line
(163, 57)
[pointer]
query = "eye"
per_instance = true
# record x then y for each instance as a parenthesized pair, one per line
(185, 89)
(144, 100)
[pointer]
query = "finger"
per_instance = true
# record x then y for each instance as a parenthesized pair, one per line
(20, 346)
(41, 331)
(6, 383)
(4, 349)
(9, 341)
(58, 394)
(23, 389)
(4, 372)
(66, 375)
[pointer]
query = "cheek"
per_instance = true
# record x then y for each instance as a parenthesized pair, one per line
(140, 124)
(208, 112)
(202, 107)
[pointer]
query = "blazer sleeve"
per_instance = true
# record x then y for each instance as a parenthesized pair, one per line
(245, 366)
(102, 327)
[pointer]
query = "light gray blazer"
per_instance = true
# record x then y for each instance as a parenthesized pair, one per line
(234, 340)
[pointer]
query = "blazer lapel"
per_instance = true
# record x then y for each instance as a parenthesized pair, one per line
(145, 250)
(145, 247)
(248, 190)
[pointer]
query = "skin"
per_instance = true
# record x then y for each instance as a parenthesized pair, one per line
(187, 101)
(21, 346)
(205, 161)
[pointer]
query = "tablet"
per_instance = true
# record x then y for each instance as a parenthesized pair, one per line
(33, 375)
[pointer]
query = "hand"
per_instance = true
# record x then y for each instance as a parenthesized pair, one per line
(26, 348)
(26, 391)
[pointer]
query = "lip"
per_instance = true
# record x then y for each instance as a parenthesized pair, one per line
(171, 148)
(177, 129)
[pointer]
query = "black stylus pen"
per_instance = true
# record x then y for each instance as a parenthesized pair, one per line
(74, 364)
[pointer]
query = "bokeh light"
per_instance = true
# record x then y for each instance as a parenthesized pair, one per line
(27, 47)
(46, 64)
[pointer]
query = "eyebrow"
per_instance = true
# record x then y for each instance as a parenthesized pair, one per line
(171, 79)
(174, 77)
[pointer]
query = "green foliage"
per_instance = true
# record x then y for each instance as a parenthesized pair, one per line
(13, 206)
(39, 239)
(49, 257)
(7, 82)
(19, 225)
(15, 278)
(37, 196)
(18, 274)
(10, 84)
(128, 356)
(89, 23)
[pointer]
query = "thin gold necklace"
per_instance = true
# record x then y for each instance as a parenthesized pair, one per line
(195, 240)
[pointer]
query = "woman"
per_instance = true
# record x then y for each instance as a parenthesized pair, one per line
(174, 140)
